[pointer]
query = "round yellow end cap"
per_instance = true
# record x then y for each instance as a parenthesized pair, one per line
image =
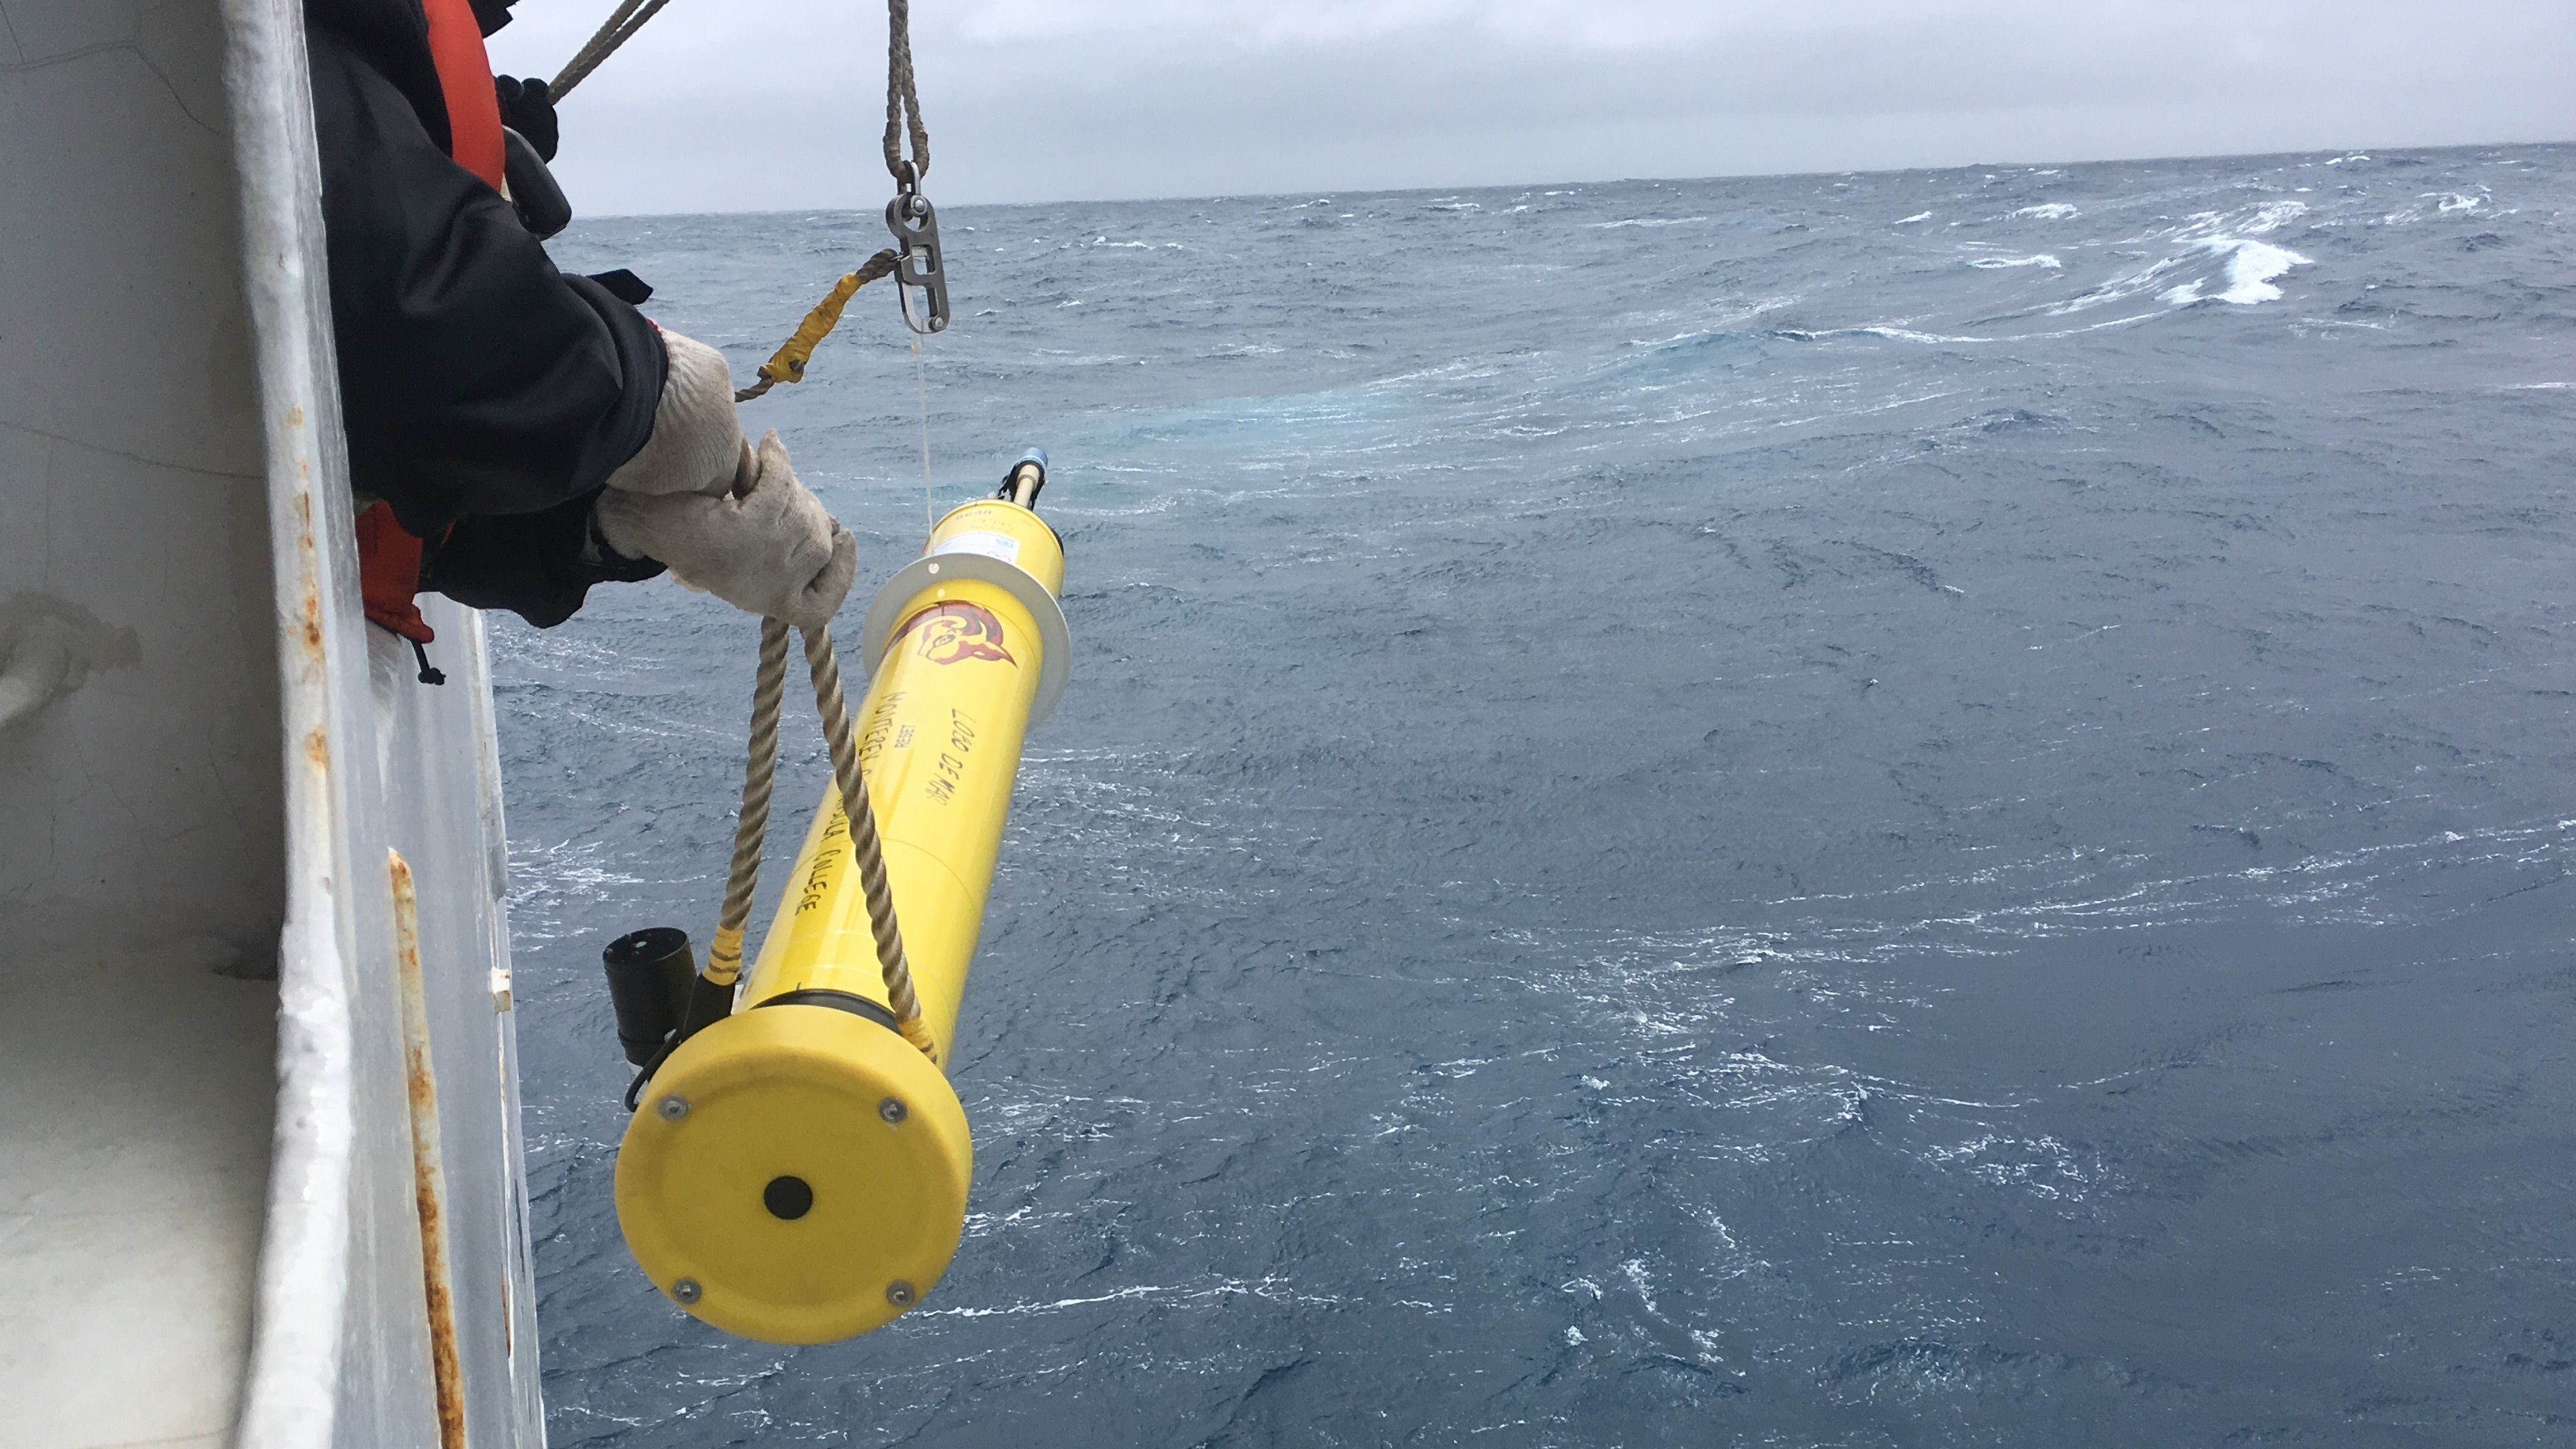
(795, 1174)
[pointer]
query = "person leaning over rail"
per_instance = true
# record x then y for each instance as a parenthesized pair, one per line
(516, 433)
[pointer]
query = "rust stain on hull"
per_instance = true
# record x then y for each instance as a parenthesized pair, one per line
(309, 628)
(429, 1174)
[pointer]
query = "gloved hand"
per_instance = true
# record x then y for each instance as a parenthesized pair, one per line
(528, 107)
(728, 520)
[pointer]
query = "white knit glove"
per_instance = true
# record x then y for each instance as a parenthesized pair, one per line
(723, 518)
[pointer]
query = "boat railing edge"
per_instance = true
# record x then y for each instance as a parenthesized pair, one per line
(291, 1390)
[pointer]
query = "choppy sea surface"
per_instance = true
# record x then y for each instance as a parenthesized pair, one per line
(1925, 809)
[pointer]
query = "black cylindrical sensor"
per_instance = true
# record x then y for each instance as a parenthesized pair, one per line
(649, 973)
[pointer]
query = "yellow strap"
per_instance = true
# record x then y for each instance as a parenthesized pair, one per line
(788, 363)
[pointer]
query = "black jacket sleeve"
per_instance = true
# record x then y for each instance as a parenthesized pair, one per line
(537, 565)
(482, 388)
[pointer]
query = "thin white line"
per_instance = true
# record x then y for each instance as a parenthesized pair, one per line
(921, 401)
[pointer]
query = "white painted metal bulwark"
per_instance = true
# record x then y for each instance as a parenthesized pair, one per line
(207, 1217)
(375, 760)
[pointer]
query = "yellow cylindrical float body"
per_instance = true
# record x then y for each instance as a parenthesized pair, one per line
(797, 1172)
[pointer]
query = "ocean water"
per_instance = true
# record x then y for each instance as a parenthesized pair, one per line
(1925, 809)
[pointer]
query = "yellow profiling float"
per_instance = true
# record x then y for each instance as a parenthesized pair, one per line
(797, 1171)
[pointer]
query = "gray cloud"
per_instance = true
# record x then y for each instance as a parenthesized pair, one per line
(755, 104)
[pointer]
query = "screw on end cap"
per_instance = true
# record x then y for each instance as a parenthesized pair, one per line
(899, 1293)
(687, 1290)
(893, 1110)
(673, 1107)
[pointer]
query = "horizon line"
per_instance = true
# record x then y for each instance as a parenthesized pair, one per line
(2044, 165)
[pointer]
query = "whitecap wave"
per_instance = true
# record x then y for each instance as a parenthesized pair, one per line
(2050, 211)
(2251, 266)
(2252, 269)
(2043, 260)
(1645, 221)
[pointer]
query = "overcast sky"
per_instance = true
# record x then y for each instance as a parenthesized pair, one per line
(778, 104)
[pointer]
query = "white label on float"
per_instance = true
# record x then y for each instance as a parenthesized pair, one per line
(991, 545)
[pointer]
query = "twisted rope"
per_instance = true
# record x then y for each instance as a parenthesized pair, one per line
(619, 28)
(724, 958)
(903, 103)
(866, 850)
(751, 832)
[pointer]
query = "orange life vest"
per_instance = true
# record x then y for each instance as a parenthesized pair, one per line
(389, 557)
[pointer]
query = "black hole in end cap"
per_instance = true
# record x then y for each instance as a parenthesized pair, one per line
(787, 1197)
